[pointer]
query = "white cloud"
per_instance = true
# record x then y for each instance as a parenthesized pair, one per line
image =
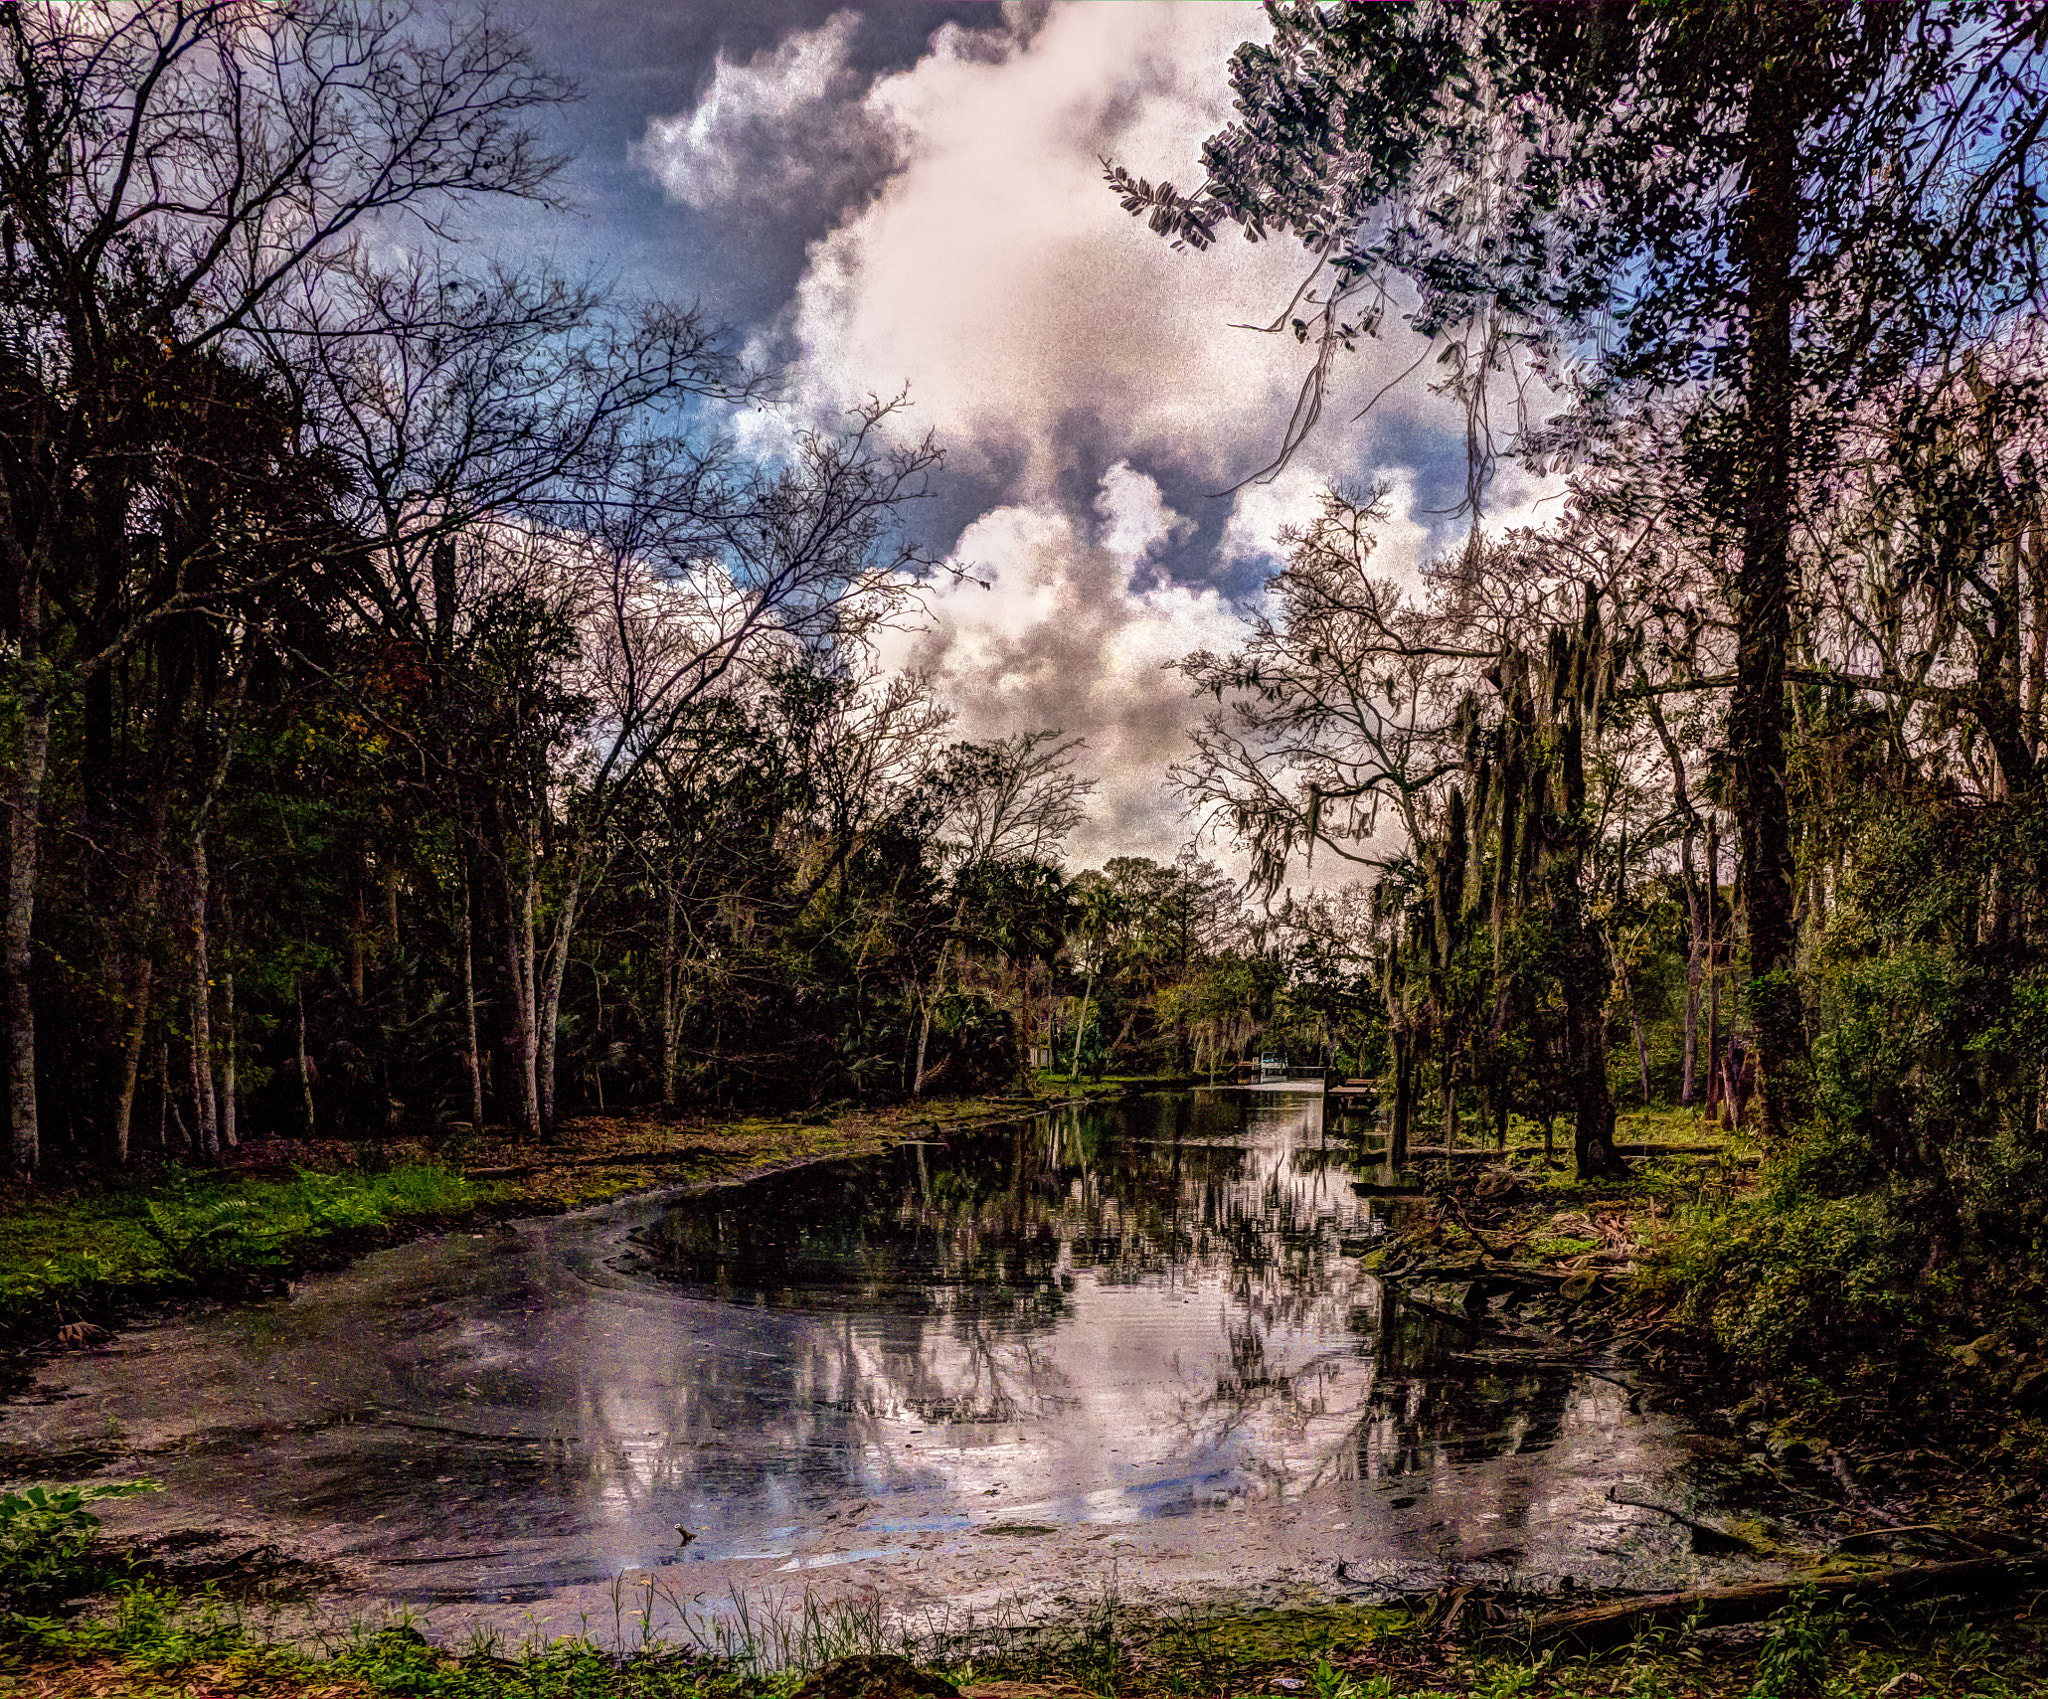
(1260, 512)
(1030, 315)
(789, 122)
(1136, 523)
(1063, 637)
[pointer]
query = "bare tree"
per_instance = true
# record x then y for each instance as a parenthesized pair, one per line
(695, 590)
(1014, 799)
(856, 756)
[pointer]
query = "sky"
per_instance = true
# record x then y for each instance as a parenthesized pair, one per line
(909, 197)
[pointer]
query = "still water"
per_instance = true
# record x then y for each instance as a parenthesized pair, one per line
(1134, 1334)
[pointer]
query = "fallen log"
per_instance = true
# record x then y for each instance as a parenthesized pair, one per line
(1619, 1620)
(1521, 1274)
(1964, 1536)
(1707, 1537)
(1501, 1273)
(1443, 1312)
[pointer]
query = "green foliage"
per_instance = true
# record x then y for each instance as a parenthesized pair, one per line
(1896, 1064)
(1790, 1282)
(1512, 1681)
(44, 1535)
(1326, 1681)
(1910, 1213)
(206, 1241)
(1796, 1651)
(1091, 1054)
(982, 1042)
(201, 1232)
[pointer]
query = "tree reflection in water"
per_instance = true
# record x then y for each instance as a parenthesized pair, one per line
(1022, 1282)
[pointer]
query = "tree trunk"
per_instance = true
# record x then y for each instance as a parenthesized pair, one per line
(230, 1135)
(142, 970)
(1628, 992)
(1695, 954)
(393, 955)
(24, 814)
(669, 1000)
(467, 942)
(1763, 600)
(359, 948)
(1713, 904)
(1681, 802)
(520, 899)
(550, 1003)
(305, 1062)
(1080, 1027)
(131, 1067)
(1403, 1045)
(205, 1116)
(1586, 1063)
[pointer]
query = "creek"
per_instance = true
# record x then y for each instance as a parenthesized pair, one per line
(1131, 1339)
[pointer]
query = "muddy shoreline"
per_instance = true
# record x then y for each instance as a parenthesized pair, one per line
(593, 1159)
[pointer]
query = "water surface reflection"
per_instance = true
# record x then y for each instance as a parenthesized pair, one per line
(1145, 1321)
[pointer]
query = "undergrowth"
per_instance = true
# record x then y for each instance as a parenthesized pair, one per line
(1862, 1296)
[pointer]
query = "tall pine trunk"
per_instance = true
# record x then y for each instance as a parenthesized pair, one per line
(141, 973)
(671, 1000)
(521, 898)
(1399, 1116)
(1695, 961)
(230, 1134)
(1635, 1024)
(549, 1007)
(305, 1063)
(467, 943)
(131, 1064)
(1763, 602)
(1713, 905)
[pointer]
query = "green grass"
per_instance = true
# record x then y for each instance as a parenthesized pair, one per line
(149, 1639)
(1052, 1081)
(73, 1257)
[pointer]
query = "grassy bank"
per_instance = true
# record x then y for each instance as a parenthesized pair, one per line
(80, 1259)
(152, 1640)
(81, 1256)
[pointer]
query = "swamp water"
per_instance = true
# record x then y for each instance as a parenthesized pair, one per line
(1131, 1338)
